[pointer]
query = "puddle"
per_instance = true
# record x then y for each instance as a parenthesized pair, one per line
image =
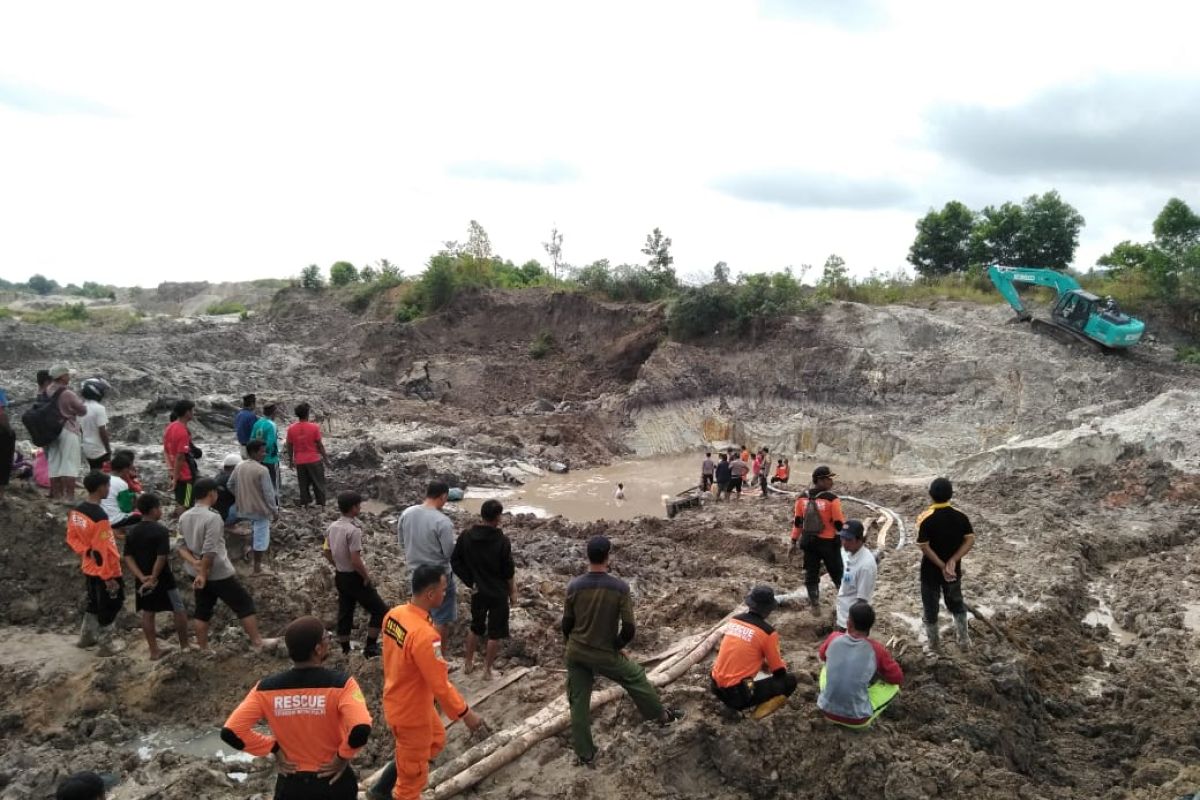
(1191, 616)
(188, 742)
(1103, 616)
(376, 507)
(590, 494)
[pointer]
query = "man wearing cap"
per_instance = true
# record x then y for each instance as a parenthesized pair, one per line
(860, 677)
(750, 647)
(598, 625)
(819, 546)
(944, 535)
(858, 577)
(65, 454)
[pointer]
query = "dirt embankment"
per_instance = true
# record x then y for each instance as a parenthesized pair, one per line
(1081, 682)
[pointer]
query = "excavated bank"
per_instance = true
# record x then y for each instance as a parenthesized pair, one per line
(1047, 705)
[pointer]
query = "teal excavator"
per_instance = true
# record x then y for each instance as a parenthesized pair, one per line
(1077, 315)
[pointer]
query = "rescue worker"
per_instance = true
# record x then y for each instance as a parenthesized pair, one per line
(317, 716)
(90, 535)
(598, 625)
(751, 645)
(414, 675)
(781, 473)
(860, 677)
(819, 547)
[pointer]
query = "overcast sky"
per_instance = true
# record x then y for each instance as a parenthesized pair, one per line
(143, 142)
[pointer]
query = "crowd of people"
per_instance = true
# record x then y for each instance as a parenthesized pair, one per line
(318, 717)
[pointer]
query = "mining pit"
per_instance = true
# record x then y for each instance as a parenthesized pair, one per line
(1078, 469)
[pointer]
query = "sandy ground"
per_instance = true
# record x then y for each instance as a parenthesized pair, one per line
(1081, 682)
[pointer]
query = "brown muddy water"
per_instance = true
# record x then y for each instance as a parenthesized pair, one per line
(591, 494)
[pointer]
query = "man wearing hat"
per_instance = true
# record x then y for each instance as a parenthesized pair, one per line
(65, 454)
(858, 577)
(598, 625)
(750, 647)
(815, 533)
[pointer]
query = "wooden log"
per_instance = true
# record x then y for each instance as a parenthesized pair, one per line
(486, 758)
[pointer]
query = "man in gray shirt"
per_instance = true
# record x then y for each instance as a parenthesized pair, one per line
(205, 559)
(427, 537)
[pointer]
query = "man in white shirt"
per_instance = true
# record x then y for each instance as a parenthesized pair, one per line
(858, 579)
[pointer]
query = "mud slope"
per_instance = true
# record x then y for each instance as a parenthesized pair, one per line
(1079, 472)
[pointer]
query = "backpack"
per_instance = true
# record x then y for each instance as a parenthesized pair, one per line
(43, 421)
(812, 522)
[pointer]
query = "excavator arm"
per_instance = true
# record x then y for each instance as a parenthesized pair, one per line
(1006, 280)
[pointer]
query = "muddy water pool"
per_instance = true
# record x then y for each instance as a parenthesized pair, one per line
(590, 494)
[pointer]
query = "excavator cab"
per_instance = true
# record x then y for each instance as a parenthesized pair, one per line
(1075, 308)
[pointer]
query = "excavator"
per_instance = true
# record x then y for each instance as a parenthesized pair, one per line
(1076, 315)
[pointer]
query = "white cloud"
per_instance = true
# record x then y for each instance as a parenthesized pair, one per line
(252, 139)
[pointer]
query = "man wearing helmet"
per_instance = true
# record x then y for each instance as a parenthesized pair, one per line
(94, 423)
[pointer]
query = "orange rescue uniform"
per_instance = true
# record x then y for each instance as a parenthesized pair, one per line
(414, 675)
(781, 472)
(745, 649)
(830, 510)
(91, 536)
(313, 713)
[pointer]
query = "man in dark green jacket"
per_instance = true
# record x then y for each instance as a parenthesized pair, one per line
(598, 625)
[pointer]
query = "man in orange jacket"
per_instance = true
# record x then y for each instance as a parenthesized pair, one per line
(414, 675)
(749, 646)
(820, 547)
(317, 716)
(90, 536)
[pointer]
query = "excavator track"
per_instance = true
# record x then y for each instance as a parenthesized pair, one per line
(1067, 336)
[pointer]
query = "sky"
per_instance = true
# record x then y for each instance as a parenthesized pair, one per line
(148, 142)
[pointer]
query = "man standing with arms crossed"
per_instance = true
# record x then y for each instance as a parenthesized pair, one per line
(414, 675)
(598, 625)
(317, 716)
(427, 538)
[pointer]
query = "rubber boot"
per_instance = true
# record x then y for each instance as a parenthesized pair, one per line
(88, 631)
(931, 633)
(963, 632)
(814, 600)
(106, 645)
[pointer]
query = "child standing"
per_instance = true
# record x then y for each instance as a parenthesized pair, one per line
(147, 546)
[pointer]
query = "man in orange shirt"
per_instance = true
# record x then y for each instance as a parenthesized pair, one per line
(751, 646)
(414, 675)
(819, 547)
(317, 716)
(91, 537)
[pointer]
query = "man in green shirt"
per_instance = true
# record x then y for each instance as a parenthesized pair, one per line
(265, 431)
(598, 624)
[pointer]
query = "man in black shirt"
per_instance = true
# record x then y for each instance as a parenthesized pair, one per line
(482, 559)
(944, 535)
(147, 546)
(723, 476)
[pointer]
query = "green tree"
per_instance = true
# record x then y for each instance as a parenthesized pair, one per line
(343, 273)
(479, 245)
(658, 248)
(388, 271)
(943, 242)
(1049, 231)
(368, 274)
(835, 277)
(310, 278)
(1177, 227)
(553, 249)
(996, 237)
(721, 273)
(1126, 256)
(40, 284)
(595, 277)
